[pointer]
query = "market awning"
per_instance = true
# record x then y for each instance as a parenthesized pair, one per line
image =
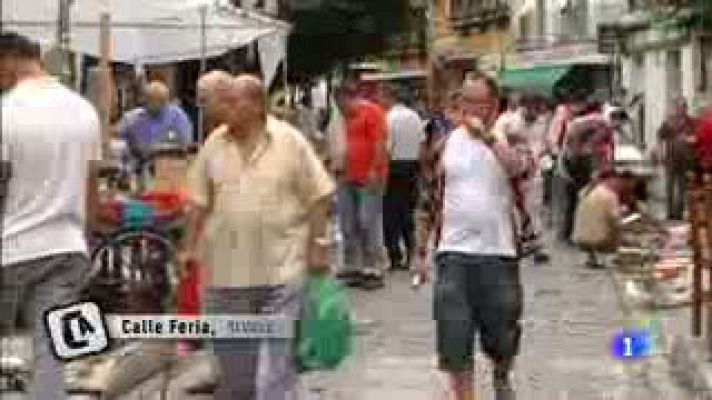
(145, 31)
(540, 80)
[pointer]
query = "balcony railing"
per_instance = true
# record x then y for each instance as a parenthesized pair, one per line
(549, 41)
(481, 17)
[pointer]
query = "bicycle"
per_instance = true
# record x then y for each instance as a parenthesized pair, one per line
(134, 267)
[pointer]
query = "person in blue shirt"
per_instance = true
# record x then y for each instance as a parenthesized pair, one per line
(157, 121)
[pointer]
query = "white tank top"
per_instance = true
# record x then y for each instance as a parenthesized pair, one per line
(477, 202)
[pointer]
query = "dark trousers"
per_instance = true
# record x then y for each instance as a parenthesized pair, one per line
(580, 170)
(27, 290)
(398, 207)
(476, 294)
(675, 182)
(549, 190)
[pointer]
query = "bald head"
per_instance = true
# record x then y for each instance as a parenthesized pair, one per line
(212, 83)
(158, 90)
(480, 97)
(157, 96)
(247, 104)
(252, 88)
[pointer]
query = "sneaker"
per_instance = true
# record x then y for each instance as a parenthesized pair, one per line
(541, 258)
(350, 278)
(502, 385)
(504, 393)
(591, 264)
(371, 282)
(399, 267)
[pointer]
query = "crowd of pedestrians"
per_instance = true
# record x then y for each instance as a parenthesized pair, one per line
(460, 194)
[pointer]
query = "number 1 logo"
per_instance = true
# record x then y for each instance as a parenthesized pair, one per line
(628, 343)
(632, 344)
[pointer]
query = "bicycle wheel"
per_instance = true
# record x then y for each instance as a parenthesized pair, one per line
(133, 272)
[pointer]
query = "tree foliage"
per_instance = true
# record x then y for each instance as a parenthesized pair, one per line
(327, 32)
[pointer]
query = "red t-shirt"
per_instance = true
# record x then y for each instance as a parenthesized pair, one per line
(365, 129)
(704, 139)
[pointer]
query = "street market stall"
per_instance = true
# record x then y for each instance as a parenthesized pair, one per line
(657, 262)
(147, 32)
(152, 32)
(135, 259)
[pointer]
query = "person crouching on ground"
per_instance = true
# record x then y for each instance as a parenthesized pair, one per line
(602, 206)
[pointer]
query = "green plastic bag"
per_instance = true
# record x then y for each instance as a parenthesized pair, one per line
(324, 331)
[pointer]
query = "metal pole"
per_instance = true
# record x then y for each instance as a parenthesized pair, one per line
(203, 65)
(697, 300)
(285, 67)
(63, 23)
(105, 78)
(65, 60)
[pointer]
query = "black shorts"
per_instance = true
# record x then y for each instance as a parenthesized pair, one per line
(476, 294)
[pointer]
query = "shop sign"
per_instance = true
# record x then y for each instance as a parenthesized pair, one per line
(557, 53)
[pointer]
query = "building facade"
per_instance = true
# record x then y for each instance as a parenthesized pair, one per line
(661, 61)
(467, 35)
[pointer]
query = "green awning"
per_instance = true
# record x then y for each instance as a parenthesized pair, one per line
(541, 80)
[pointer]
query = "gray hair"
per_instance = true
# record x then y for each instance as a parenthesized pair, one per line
(213, 82)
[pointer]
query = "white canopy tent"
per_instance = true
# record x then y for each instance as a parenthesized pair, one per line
(145, 31)
(149, 32)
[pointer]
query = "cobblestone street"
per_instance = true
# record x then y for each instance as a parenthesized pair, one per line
(570, 317)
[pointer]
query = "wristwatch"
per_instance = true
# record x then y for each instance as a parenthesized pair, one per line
(322, 241)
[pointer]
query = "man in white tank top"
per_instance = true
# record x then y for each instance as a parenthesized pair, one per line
(469, 210)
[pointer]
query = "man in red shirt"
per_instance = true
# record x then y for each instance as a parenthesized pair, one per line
(703, 145)
(362, 183)
(677, 154)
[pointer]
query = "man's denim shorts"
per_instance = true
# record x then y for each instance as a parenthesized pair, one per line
(476, 293)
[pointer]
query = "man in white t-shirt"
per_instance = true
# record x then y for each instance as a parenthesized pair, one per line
(49, 136)
(512, 117)
(529, 135)
(468, 210)
(406, 133)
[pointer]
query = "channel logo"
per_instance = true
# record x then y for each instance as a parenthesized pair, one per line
(76, 330)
